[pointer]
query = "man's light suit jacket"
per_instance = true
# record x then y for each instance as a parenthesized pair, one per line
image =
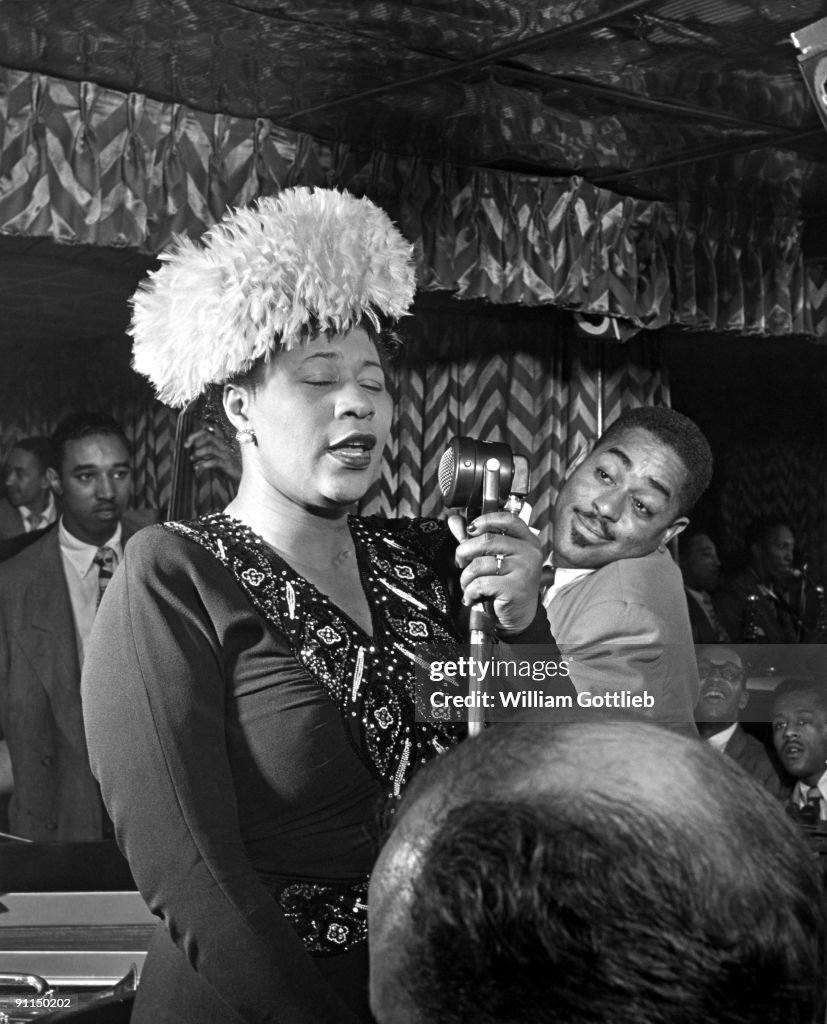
(625, 628)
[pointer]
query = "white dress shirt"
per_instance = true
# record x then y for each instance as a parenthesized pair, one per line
(719, 740)
(49, 515)
(800, 790)
(82, 579)
(562, 577)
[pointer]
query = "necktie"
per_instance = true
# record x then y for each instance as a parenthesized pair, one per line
(720, 633)
(106, 560)
(36, 521)
(811, 811)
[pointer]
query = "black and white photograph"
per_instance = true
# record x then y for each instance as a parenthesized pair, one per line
(413, 511)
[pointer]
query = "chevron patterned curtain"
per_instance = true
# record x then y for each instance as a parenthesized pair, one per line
(533, 385)
(89, 375)
(528, 382)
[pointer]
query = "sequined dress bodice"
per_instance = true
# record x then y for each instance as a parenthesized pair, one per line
(371, 679)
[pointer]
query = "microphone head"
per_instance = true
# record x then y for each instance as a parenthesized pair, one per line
(462, 470)
(445, 473)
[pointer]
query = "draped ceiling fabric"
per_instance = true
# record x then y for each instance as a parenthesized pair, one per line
(84, 163)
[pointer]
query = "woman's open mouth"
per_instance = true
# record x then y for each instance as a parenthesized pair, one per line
(354, 451)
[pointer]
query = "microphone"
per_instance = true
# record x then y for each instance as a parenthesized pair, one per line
(482, 476)
(461, 475)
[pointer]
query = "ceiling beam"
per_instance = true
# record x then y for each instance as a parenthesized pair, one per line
(499, 53)
(631, 99)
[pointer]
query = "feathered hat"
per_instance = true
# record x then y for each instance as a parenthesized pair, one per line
(262, 279)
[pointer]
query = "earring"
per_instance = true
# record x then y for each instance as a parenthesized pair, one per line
(246, 436)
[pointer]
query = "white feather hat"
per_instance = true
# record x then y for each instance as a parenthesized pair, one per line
(262, 279)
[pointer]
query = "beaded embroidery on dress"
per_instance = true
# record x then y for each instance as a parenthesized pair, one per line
(372, 680)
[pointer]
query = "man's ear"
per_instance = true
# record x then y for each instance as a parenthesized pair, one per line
(672, 531)
(582, 454)
(54, 480)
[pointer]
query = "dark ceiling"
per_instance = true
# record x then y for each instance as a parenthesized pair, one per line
(659, 100)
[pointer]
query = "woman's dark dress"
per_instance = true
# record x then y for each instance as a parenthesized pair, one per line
(246, 733)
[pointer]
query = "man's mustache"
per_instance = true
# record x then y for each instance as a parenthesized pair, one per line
(597, 523)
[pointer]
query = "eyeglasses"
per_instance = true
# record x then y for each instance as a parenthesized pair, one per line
(729, 673)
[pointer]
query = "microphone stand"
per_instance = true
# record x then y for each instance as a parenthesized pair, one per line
(483, 637)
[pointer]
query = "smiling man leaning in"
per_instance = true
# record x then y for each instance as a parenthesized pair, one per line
(617, 607)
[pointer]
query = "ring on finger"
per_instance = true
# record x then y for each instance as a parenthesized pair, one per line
(499, 556)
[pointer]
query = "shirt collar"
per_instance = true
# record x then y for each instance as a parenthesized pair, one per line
(719, 740)
(802, 788)
(81, 554)
(562, 577)
(49, 511)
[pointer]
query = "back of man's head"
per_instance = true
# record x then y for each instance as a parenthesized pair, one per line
(677, 432)
(593, 872)
(41, 448)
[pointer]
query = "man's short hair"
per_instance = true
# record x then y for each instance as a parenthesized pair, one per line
(802, 684)
(686, 537)
(80, 424)
(681, 435)
(760, 531)
(539, 893)
(41, 448)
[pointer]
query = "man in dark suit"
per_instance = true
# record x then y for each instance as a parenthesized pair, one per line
(49, 594)
(768, 575)
(799, 733)
(29, 504)
(701, 571)
(722, 698)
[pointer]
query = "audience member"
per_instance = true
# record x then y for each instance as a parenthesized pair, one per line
(723, 695)
(767, 574)
(209, 451)
(701, 571)
(617, 607)
(29, 504)
(48, 598)
(799, 729)
(597, 871)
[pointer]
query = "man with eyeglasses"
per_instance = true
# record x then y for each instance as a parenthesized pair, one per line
(723, 695)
